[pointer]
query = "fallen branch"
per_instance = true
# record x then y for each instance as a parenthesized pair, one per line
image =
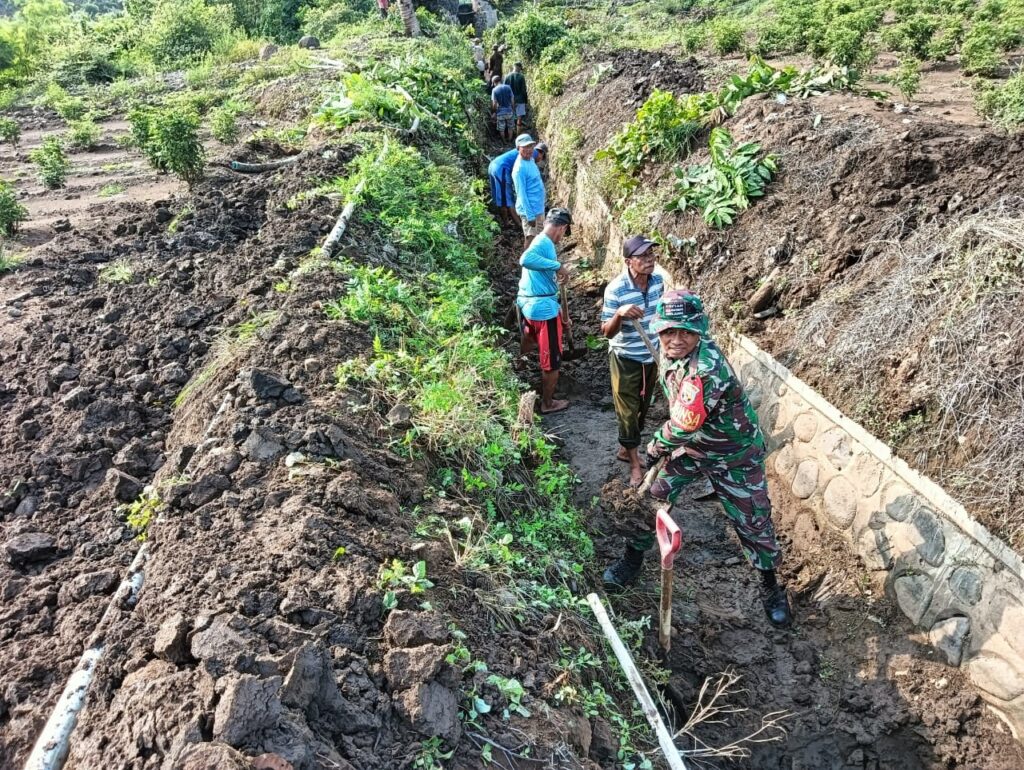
(335, 236)
(668, 748)
(258, 168)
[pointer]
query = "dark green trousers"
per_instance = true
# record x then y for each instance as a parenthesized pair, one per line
(633, 385)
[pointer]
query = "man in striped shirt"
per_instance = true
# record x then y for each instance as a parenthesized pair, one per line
(632, 296)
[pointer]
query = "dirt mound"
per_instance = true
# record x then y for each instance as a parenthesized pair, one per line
(624, 80)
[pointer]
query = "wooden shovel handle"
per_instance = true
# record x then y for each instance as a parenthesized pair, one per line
(647, 340)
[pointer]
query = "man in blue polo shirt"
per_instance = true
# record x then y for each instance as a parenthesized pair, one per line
(632, 296)
(503, 101)
(538, 304)
(530, 193)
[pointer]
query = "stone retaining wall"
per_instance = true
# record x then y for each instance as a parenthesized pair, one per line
(944, 570)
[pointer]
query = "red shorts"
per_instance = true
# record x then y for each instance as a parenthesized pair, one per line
(548, 335)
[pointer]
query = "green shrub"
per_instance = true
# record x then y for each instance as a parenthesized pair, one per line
(12, 213)
(663, 129)
(948, 39)
(913, 36)
(551, 81)
(724, 186)
(169, 137)
(52, 161)
(83, 134)
(532, 32)
(979, 54)
(1003, 104)
(57, 98)
(323, 18)
(10, 131)
(726, 36)
(908, 77)
(182, 32)
(224, 121)
(8, 262)
(695, 37)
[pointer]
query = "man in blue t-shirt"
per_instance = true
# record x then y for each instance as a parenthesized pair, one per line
(632, 296)
(503, 191)
(503, 102)
(530, 193)
(537, 300)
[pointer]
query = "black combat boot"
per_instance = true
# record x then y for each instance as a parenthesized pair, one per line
(623, 571)
(775, 601)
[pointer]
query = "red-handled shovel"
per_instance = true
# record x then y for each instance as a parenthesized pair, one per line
(669, 541)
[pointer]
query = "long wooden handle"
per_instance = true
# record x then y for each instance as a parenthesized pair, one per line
(651, 475)
(647, 340)
(665, 614)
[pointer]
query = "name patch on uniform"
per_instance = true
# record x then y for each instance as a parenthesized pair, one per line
(689, 412)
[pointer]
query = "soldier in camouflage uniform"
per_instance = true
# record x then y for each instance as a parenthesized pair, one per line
(712, 431)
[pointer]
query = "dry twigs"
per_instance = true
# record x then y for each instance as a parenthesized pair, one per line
(713, 708)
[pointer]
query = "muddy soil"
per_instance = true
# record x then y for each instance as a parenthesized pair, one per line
(859, 687)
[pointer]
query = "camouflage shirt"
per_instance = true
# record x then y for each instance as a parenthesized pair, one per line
(710, 417)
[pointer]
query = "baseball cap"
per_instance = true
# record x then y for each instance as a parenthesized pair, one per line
(559, 216)
(525, 139)
(680, 309)
(636, 245)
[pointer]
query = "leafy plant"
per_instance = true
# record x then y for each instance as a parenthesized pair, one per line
(431, 755)
(726, 36)
(1003, 104)
(513, 692)
(224, 121)
(111, 189)
(10, 132)
(663, 129)
(394, 578)
(169, 138)
(721, 188)
(52, 161)
(979, 54)
(184, 31)
(532, 32)
(12, 213)
(908, 77)
(119, 271)
(83, 134)
(140, 514)
(8, 262)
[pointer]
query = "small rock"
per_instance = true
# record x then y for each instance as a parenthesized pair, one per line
(266, 385)
(76, 397)
(949, 636)
(30, 547)
(63, 373)
(267, 51)
(412, 629)
(123, 487)
(955, 202)
(163, 214)
(82, 587)
(400, 417)
(261, 445)
(603, 746)
(169, 643)
(308, 41)
(432, 709)
(249, 705)
(28, 506)
(62, 226)
(855, 218)
(29, 429)
(405, 668)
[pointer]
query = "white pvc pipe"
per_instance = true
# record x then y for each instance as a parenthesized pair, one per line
(54, 742)
(668, 747)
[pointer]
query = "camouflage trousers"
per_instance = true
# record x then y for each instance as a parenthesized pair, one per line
(743, 493)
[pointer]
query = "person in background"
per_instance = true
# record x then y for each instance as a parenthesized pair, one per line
(530, 193)
(538, 304)
(516, 80)
(632, 296)
(503, 192)
(382, 6)
(496, 62)
(503, 103)
(478, 56)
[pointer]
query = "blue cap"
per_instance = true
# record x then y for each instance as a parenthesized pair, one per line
(525, 139)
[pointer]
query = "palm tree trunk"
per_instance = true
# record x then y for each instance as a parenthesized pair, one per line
(412, 24)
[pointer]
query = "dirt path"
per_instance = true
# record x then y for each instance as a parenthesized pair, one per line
(860, 689)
